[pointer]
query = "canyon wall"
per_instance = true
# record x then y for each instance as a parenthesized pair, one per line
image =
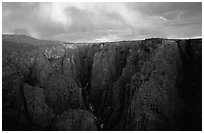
(152, 84)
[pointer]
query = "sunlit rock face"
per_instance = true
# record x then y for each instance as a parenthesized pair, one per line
(152, 84)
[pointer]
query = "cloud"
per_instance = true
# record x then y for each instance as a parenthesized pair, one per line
(102, 21)
(54, 12)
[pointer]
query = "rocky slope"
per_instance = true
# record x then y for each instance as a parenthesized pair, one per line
(152, 84)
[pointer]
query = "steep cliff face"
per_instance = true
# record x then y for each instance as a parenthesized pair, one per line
(155, 103)
(153, 84)
(191, 83)
(39, 113)
(41, 83)
(149, 93)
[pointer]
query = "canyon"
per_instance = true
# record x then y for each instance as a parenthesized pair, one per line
(144, 85)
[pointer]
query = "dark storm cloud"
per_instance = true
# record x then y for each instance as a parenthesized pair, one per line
(102, 21)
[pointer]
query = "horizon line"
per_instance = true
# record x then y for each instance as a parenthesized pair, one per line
(196, 37)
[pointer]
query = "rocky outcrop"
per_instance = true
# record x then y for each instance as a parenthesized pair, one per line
(62, 93)
(75, 120)
(39, 113)
(12, 101)
(155, 103)
(153, 84)
(147, 94)
(40, 70)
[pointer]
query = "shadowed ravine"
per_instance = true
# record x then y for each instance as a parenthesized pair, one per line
(152, 84)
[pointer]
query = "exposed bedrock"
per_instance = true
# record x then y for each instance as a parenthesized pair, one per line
(154, 84)
(39, 113)
(41, 83)
(75, 120)
(155, 89)
(62, 93)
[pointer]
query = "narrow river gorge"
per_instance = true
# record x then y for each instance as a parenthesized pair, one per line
(152, 84)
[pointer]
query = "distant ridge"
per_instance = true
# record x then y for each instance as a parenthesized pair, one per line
(27, 40)
(16, 38)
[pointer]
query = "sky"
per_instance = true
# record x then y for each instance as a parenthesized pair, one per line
(100, 22)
